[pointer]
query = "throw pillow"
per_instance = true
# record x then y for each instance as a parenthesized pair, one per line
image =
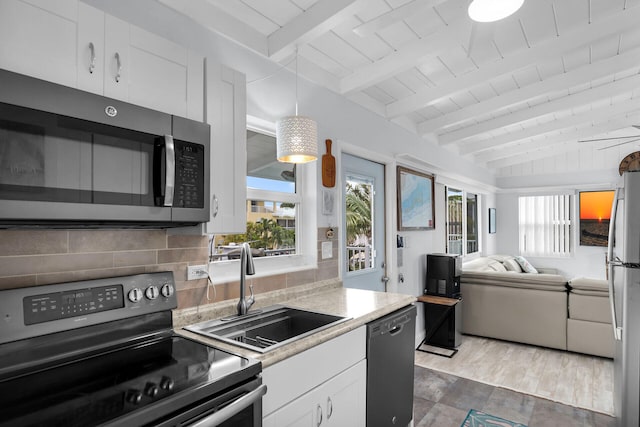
(512, 265)
(526, 265)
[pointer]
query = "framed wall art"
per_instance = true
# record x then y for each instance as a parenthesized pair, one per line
(416, 210)
(595, 212)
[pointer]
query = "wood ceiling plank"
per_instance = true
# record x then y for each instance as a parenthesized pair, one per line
(319, 18)
(586, 74)
(567, 102)
(581, 35)
(398, 14)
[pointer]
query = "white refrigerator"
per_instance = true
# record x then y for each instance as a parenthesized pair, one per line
(624, 294)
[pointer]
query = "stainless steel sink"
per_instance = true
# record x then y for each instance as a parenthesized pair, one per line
(266, 329)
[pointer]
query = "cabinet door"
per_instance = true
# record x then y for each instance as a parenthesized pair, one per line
(226, 113)
(345, 397)
(116, 58)
(159, 74)
(91, 53)
(38, 38)
(339, 402)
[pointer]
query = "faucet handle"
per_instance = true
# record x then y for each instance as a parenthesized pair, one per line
(251, 298)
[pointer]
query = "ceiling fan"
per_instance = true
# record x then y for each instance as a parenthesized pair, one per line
(622, 140)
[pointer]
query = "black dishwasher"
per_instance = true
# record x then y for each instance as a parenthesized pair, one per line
(390, 359)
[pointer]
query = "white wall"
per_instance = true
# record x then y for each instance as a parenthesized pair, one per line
(586, 261)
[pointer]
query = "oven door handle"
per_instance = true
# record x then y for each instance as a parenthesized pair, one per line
(232, 409)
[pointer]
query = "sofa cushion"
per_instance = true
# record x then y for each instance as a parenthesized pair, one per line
(590, 308)
(590, 338)
(587, 286)
(526, 265)
(549, 282)
(512, 265)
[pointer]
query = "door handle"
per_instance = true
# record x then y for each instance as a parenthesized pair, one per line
(170, 170)
(384, 279)
(235, 407)
(319, 412)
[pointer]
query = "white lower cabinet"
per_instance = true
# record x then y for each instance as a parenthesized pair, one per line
(341, 401)
(323, 386)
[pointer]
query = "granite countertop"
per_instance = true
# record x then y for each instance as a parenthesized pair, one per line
(326, 297)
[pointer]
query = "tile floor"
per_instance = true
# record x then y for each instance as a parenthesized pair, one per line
(573, 379)
(443, 400)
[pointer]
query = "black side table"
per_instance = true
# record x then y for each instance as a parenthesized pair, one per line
(442, 321)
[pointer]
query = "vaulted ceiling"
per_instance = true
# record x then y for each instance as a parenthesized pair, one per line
(531, 87)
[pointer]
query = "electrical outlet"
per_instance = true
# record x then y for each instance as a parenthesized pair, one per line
(195, 272)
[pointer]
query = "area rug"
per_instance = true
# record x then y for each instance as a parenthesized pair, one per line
(480, 419)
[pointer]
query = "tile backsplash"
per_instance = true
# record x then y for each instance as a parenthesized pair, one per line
(40, 257)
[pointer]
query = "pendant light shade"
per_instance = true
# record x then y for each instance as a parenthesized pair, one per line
(493, 10)
(296, 139)
(296, 136)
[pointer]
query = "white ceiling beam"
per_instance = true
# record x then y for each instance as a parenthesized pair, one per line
(407, 57)
(562, 144)
(577, 120)
(321, 17)
(579, 99)
(219, 21)
(581, 35)
(554, 84)
(513, 138)
(395, 15)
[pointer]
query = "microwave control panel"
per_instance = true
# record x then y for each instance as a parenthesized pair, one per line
(189, 185)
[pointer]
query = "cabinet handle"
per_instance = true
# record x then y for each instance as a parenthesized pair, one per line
(329, 408)
(119, 63)
(214, 202)
(92, 61)
(319, 412)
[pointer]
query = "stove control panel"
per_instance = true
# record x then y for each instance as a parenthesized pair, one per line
(39, 310)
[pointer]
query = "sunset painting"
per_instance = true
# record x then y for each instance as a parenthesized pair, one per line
(595, 211)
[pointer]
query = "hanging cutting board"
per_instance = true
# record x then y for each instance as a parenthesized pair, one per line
(328, 167)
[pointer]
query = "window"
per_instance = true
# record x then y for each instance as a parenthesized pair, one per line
(462, 222)
(545, 225)
(274, 211)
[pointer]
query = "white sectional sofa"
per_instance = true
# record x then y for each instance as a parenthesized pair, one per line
(501, 301)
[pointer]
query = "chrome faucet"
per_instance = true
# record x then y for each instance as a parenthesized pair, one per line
(246, 267)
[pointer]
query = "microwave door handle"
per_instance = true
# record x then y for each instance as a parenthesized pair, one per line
(232, 409)
(170, 170)
(617, 332)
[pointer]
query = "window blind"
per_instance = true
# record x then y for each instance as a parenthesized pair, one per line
(545, 225)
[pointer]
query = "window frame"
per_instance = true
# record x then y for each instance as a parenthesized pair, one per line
(306, 256)
(464, 225)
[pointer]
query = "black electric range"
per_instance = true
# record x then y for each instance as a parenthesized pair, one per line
(103, 352)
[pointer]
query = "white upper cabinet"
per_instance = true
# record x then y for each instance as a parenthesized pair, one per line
(74, 44)
(227, 115)
(38, 38)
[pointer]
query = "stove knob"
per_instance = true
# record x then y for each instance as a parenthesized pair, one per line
(134, 396)
(166, 383)
(135, 295)
(152, 292)
(151, 389)
(167, 290)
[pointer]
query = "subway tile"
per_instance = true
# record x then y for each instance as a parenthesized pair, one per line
(179, 270)
(187, 241)
(129, 258)
(21, 265)
(13, 282)
(269, 283)
(301, 277)
(116, 240)
(72, 276)
(327, 271)
(191, 297)
(32, 242)
(192, 256)
(191, 284)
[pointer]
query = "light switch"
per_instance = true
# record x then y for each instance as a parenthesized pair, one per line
(327, 250)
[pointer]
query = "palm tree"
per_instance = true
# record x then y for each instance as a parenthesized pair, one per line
(358, 202)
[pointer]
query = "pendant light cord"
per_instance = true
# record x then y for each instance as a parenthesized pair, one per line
(296, 80)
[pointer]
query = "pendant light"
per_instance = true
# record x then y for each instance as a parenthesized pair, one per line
(296, 136)
(493, 10)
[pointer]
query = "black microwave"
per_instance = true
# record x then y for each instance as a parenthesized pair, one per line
(72, 158)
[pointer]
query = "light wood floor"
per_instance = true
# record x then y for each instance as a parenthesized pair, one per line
(573, 379)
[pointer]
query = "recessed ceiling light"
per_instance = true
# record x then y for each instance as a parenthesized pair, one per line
(493, 10)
